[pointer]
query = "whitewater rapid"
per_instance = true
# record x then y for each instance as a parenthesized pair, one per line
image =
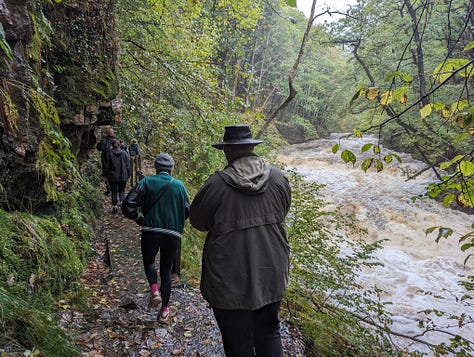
(416, 269)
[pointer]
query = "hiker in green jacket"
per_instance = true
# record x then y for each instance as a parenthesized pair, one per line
(165, 205)
(245, 261)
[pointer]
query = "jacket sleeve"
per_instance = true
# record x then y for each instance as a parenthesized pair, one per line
(287, 195)
(283, 189)
(108, 164)
(127, 165)
(187, 205)
(101, 145)
(140, 197)
(204, 205)
(187, 208)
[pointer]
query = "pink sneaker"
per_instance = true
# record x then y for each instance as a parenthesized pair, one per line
(164, 315)
(155, 299)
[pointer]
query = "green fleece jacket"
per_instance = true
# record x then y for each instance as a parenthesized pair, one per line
(168, 214)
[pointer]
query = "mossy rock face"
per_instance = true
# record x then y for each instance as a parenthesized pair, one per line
(19, 126)
(82, 59)
(57, 85)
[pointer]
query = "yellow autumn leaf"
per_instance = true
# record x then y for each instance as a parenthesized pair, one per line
(466, 168)
(425, 111)
(372, 92)
(386, 98)
(403, 99)
(462, 119)
(443, 72)
(445, 113)
(462, 201)
(459, 105)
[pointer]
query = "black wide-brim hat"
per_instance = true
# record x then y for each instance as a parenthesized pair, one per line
(237, 135)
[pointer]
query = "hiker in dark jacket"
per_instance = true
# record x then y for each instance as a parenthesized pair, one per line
(245, 261)
(165, 206)
(123, 146)
(134, 149)
(104, 146)
(118, 172)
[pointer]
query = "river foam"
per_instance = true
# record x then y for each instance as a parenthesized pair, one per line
(418, 274)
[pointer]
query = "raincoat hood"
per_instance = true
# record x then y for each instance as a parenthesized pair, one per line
(248, 173)
(117, 151)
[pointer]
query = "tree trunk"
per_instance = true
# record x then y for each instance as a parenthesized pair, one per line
(418, 52)
(292, 74)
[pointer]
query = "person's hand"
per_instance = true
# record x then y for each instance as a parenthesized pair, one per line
(139, 219)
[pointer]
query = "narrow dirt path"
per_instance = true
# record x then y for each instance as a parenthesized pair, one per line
(119, 322)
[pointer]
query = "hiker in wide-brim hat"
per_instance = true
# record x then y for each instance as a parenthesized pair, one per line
(237, 135)
(245, 261)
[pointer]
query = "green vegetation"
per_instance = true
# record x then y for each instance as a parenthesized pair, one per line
(42, 261)
(188, 68)
(43, 257)
(4, 44)
(30, 329)
(418, 88)
(55, 162)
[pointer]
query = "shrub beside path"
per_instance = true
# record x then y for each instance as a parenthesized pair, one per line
(118, 321)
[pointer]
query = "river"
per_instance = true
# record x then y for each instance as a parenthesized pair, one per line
(382, 202)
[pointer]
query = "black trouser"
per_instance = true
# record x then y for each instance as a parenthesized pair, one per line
(248, 333)
(151, 243)
(176, 269)
(117, 188)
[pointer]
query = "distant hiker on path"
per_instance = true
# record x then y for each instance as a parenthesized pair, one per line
(165, 206)
(104, 146)
(245, 261)
(118, 173)
(134, 149)
(123, 146)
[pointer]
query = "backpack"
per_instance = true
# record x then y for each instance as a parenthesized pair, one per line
(130, 206)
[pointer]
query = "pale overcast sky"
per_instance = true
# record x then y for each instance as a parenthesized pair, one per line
(341, 5)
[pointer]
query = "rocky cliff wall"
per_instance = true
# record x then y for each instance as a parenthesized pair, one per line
(57, 85)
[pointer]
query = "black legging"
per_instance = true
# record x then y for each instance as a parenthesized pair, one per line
(151, 243)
